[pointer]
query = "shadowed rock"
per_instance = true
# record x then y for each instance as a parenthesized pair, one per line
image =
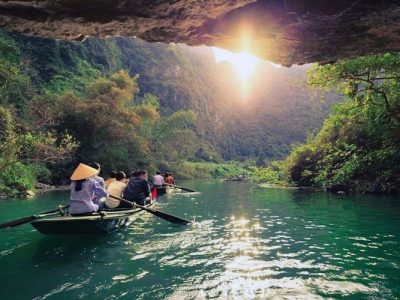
(284, 31)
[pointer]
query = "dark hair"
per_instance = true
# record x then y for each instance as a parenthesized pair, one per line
(158, 173)
(112, 174)
(120, 175)
(78, 184)
(141, 172)
(134, 173)
(95, 165)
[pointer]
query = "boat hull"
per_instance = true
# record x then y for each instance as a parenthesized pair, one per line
(103, 222)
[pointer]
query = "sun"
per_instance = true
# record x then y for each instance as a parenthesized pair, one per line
(243, 62)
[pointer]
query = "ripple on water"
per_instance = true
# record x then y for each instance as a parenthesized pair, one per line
(69, 286)
(285, 251)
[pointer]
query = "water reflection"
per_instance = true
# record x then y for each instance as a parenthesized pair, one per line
(246, 244)
(263, 258)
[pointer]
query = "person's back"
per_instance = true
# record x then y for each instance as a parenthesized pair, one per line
(138, 188)
(158, 180)
(81, 198)
(115, 189)
(112, 178)
(84, 190)
(170, 179)
(96, 177)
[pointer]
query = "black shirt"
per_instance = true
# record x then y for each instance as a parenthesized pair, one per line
(137, 189)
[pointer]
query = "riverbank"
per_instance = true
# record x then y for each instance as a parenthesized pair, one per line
(40, 189)
(209, 170)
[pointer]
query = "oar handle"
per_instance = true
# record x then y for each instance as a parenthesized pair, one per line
(28, 219)
(133, 204)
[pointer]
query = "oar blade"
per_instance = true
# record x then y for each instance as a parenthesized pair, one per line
(18, 222)
(158, 213)
(168, 217)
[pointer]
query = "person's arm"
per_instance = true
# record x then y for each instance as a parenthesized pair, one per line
(146, 188)
(99, 191)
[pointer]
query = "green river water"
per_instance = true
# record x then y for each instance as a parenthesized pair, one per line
(246, 243)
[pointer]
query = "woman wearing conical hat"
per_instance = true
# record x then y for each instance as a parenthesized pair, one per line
(85, 190)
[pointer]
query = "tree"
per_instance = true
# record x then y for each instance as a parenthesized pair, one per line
(358, 147)
(367, 81)
(23, 152)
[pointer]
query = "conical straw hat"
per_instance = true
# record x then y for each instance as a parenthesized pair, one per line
(83, 171)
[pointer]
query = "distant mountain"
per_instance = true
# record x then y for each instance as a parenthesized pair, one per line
(279, 110)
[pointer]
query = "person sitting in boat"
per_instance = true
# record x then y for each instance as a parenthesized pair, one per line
(158, 180)
(112, 177)
(169, 179)
(100, 180)
(138, 189)
(166, 174)
(85, 191)
(115, 189)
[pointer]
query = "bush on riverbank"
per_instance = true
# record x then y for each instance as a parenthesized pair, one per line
(269, 175)
(358, 147)
(211, 170)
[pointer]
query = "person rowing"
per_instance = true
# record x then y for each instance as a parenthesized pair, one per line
(138, 189)
(169, 179)
(86, 192)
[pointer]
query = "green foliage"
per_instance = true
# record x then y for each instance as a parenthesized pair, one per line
(277, 113)
(18, 177)
(358, 146)
(76, 80)
(71, 102)
(206, 153)
(265, 175)
(122, 133)
(9, 50)
(15, 87)
(211, 170)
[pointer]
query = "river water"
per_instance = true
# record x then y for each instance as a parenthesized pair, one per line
(246, 243)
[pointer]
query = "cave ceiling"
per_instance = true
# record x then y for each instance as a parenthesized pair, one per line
(283, 31)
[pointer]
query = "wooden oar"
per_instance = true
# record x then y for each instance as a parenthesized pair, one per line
(24, 220)
(158, 213)
(182, 188)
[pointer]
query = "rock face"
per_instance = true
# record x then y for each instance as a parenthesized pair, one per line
(284, 31)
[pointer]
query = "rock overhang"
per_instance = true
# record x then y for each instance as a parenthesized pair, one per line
(284, 31)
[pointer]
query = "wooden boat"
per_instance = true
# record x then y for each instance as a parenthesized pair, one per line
(101, 222)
